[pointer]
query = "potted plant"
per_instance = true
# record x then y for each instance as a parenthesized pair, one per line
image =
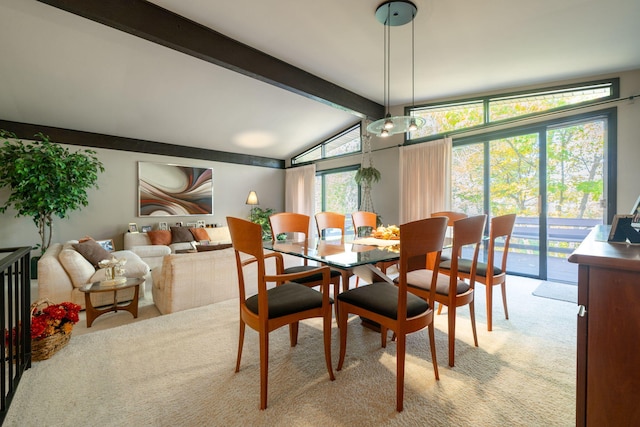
(45, 180)
(261, 216)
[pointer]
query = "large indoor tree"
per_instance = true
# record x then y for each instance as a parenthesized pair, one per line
(45, 180)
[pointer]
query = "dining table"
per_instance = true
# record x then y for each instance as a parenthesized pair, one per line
(349, 254)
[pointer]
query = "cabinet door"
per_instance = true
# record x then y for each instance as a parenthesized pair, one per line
(613, 348)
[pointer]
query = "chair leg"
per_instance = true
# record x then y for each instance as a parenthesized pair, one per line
(489, 298)
(432, 344)
(383, 336)
(326, 331)
(472, 314)
(400, 358)
(504, 299)
(264, 368)
(240, 344)
(440, 309)
(293, 333)
(451, 311)
(343, 335)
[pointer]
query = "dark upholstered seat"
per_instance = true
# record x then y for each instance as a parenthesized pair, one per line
(382, 298)
(286, 299)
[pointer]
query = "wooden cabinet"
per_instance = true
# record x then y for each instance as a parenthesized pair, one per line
(608, 377)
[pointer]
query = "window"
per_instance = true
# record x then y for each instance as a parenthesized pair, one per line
(346, 142)
(337, 191)
(447, 118)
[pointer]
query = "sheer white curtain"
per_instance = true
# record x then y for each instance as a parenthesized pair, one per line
(299, 193)
(425, 186)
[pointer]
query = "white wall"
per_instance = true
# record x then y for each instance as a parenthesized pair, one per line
(114, 205)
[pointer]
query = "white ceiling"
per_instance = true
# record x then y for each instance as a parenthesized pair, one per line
(59, 69)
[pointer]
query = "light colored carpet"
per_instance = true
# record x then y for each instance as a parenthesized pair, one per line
(178, 370)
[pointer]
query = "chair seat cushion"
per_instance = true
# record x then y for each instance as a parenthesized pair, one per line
(382, 298)
(308, 279)
(288, 298)
(422, 279)
(464, 266)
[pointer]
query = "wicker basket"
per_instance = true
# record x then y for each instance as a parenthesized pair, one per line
(44, 348)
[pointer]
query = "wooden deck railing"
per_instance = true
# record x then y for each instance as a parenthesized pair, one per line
(15, 321)
(560, 230)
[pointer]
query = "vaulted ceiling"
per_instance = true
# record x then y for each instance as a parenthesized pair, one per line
(292, 72)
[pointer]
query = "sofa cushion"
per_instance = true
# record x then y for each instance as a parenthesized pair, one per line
(92, 251)
(181, 234)
(160, 237)
(199, 234)
(77, 267)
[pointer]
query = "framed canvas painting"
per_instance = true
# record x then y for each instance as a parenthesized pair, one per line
(172, 190)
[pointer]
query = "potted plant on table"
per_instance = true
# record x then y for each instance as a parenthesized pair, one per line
(45, 180)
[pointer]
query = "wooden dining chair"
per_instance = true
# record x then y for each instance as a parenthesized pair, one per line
(286, 303)
(450, 290)
(296, 223)
(391, 306)
(363, 219)
(329, 220)
(488, 273)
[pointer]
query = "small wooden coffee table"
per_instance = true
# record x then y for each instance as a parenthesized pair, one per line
(92, 312)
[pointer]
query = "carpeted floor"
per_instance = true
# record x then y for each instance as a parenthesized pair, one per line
(178, 370)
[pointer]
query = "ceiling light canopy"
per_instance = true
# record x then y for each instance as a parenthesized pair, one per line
(391, 14)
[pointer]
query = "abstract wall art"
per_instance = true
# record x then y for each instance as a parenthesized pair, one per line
(172, 190)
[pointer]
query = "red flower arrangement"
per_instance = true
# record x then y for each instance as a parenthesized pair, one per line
(53, 319)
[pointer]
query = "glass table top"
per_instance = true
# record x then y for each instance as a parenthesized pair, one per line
(337, 252)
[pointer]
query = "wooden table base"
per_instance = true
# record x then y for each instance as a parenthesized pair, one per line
(92, 313)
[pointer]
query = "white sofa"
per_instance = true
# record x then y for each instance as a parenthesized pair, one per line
(194, 279)
(62, 271)
(153, 255)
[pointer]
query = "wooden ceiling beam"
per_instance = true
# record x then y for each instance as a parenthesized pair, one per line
(151, 22)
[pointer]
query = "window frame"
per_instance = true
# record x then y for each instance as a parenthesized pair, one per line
(613, 83)
(328, 141)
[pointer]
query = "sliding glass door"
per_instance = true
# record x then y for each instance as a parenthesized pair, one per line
(552, 176)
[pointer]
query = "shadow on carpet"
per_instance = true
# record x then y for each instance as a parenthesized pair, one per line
(558, 291)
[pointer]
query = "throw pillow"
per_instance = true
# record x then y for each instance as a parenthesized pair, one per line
(160, 237)
(181, 234)
(92, 251)
(199, 234)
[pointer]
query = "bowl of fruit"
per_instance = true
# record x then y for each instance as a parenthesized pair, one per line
(391, 232)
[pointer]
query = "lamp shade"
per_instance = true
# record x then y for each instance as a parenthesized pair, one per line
(252, 198)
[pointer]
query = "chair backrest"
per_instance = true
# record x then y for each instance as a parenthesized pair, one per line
(289, 222)
(420, 239)
(501, 226)
(246, 238)
(364, 219)
(452, 216)
(328, 220)
(467, 231)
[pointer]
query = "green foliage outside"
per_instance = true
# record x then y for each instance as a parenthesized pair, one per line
(261, 216)
(45, 180)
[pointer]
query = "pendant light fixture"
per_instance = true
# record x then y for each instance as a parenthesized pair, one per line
(391, 14)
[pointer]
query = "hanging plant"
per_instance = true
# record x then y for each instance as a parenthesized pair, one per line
(367, 175)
